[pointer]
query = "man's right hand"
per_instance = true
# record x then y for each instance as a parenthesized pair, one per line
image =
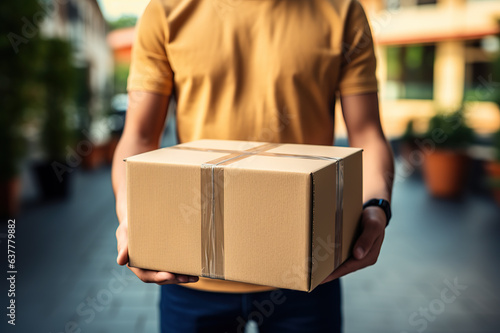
(147, 276)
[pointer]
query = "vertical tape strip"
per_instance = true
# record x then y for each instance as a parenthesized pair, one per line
(212, 217)
(339, 213)
(212, 210)
(207, 196)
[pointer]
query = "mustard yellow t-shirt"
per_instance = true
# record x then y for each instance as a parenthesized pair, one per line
(259, 70)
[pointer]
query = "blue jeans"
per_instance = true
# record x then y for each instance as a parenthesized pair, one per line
(186, 310)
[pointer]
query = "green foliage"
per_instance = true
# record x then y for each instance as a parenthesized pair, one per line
(450, 131)
(20, 51)
(58, 78)
(409, 134)
(124, 21)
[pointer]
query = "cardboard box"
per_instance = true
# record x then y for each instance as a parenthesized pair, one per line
(281, 215)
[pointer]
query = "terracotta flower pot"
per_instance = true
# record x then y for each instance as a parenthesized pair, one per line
(10, 191)
(493, 169)
(445, 173)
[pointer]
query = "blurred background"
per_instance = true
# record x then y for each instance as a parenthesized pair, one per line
(63, 71)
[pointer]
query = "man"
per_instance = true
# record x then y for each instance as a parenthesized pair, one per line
(265, 70)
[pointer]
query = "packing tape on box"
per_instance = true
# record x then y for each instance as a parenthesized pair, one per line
(212, 203)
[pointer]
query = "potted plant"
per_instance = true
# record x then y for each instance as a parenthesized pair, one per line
(446, 163)
(493, 168)
(18, 96)
(56, 134)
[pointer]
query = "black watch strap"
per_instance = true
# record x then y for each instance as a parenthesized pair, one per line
(382, 203)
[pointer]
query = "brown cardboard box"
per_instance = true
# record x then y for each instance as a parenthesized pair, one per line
(244, 211)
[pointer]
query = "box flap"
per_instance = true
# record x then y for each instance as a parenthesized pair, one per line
(176, 157)
(315, 150)
(279, 163)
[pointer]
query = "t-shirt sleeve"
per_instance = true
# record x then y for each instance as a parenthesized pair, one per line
(150, 68)
(357, 75)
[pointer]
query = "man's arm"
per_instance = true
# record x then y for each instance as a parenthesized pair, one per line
(361, 115)
(143, 128)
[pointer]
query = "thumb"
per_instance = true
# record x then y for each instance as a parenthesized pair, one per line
(364, 244)
(122, 242)
(122, 258)
(372, 228)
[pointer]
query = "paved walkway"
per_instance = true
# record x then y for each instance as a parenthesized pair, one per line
(68, 279)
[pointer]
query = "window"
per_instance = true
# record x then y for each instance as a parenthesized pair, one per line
(410, 72)
(482, 69)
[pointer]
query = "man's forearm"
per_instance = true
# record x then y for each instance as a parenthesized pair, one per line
(361, 114)
(143, 128)
(378, 169)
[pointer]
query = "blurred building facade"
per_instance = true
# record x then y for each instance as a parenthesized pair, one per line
(432, 56)
(82, 23)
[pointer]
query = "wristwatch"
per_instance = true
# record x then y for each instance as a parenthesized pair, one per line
(382, 203)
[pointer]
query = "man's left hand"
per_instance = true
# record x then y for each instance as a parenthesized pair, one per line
(367, 247)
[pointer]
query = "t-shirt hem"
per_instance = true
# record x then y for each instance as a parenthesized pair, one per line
(158, 89)
(356, 90)
(230, 287)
